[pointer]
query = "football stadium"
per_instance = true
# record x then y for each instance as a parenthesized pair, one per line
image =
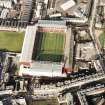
(47, 52)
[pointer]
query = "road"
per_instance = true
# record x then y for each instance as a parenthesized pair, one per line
(28, 44)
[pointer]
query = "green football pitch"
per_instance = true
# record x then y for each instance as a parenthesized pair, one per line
(50, 46)
(11, 41)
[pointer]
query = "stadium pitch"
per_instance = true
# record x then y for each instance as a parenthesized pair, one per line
(50, 46)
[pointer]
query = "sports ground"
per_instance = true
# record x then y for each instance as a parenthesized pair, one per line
(50, 46)
(11, 41)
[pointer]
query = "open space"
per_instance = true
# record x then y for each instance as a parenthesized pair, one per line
(50, 46)
(11, 41)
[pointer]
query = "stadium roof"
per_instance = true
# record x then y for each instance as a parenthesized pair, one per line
(52, 71)
(51, 23)
(28, 44)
